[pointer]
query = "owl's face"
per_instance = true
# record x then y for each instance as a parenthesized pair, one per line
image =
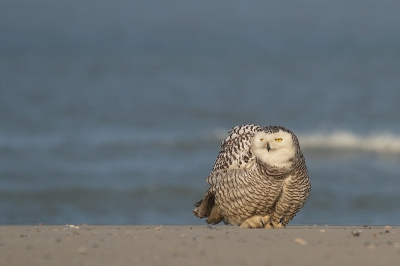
(274, 148)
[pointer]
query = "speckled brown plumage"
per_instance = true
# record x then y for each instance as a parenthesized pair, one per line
(258, 180)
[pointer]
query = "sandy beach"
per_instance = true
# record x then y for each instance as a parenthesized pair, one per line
(198, 245)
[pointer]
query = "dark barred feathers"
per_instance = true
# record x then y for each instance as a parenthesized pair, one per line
(259, 179)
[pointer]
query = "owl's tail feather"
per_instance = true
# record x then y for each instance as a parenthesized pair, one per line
(204, 206)
(207, 208)
(215, 216)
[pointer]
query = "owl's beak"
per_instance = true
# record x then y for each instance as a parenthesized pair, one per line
(268, 147)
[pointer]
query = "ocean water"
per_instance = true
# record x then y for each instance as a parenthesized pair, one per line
(112, 112)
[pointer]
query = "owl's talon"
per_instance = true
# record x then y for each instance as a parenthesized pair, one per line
(267, 220)
(268, 226)
(271, 224)
(255, 221)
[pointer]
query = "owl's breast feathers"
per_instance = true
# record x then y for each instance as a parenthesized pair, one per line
(242, 186)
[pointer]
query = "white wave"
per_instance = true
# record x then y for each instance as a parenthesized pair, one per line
(346, 141)
(384, 143)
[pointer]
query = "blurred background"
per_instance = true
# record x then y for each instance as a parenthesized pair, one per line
(112, 112)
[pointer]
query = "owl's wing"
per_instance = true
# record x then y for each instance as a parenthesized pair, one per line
(238, 194)
(235, 151)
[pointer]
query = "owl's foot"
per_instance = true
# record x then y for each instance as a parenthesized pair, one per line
(255, 221)
(271, 224)
(268, 223)
(275, 225)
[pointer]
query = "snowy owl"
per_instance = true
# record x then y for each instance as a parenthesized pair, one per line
(259, 179)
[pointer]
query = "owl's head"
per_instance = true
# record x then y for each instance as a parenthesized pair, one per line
(275, 146)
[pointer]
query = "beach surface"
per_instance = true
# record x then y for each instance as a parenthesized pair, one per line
(198, 245)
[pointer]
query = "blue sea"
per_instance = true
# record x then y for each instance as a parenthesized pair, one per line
(112, 112)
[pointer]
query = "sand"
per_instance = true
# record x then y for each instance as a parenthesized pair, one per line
(198, 245)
